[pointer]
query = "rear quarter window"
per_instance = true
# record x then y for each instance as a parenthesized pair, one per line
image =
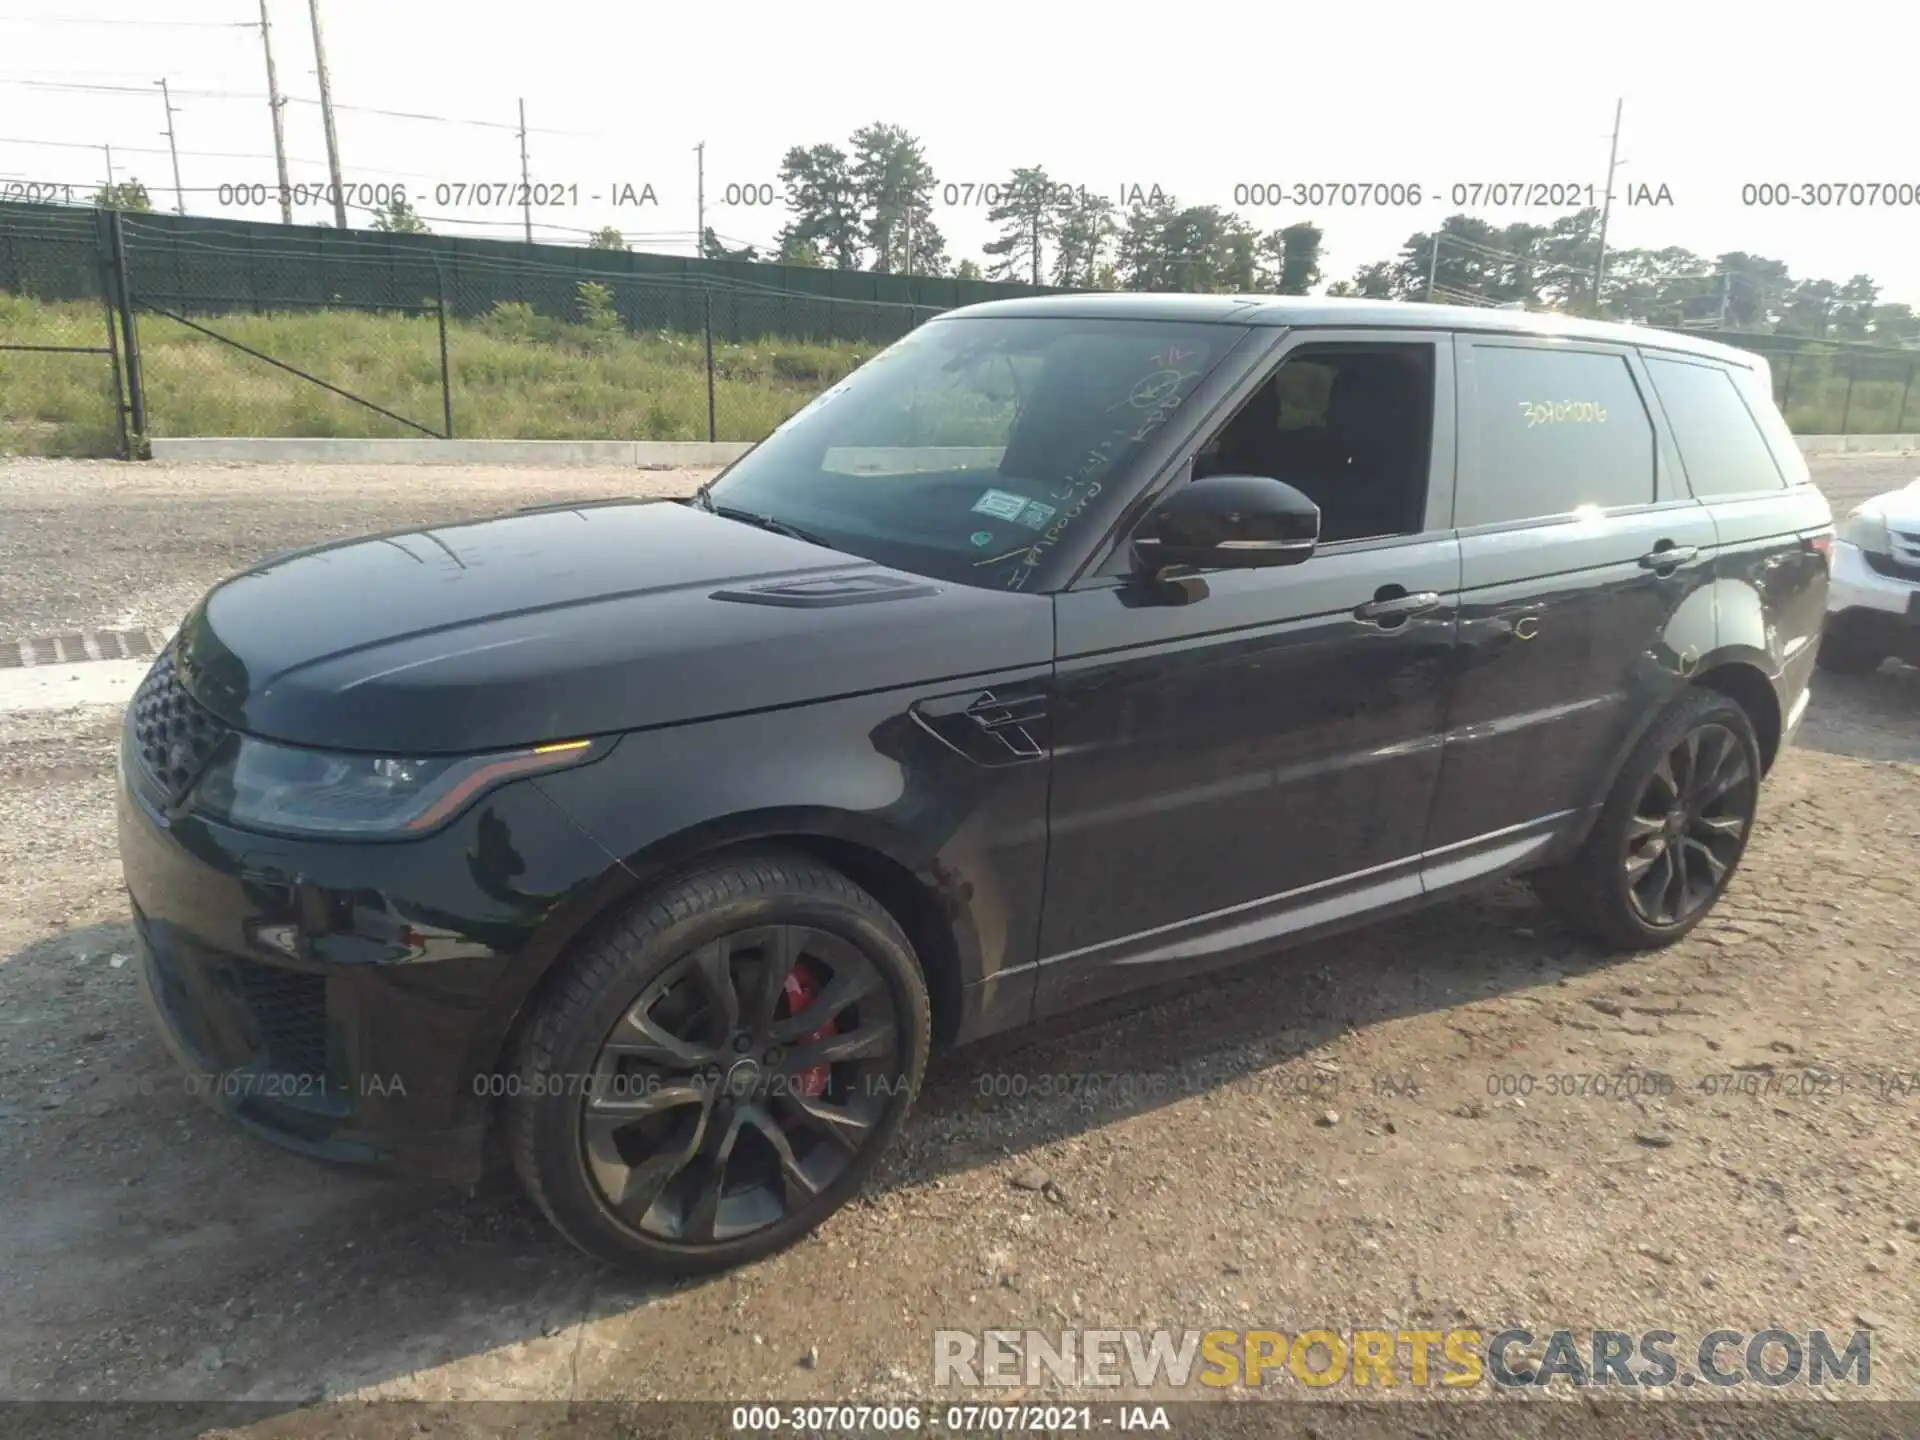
(1721, 444)
(1755, 385)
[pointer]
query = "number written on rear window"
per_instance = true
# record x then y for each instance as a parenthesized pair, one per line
(1555, 430)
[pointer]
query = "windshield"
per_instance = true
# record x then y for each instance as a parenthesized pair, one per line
(968, 449)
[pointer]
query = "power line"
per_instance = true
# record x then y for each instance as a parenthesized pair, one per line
(213, 155)
(102, 88)
(78, 20)
(455, 120)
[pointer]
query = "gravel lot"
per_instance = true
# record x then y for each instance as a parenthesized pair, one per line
(1333, 1146)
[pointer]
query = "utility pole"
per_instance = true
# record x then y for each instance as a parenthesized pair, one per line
(526, 179)
(909, 237)
(326, 118)
(1433, 266)
(1036, 245)
(277, 104)
(109, 150)
(179, 195)
(1606, 206)
(700, 199)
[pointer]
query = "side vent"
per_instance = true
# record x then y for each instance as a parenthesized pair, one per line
(990, 727)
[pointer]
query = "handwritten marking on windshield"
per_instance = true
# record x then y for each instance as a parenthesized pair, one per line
(1158, 394)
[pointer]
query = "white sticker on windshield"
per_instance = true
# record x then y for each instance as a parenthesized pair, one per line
(1001, 504)
(1036, 515)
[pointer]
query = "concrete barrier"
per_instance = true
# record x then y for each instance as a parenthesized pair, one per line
(672, 454)
(1859, 444)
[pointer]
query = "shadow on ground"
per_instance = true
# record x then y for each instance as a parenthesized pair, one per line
(155, 1252)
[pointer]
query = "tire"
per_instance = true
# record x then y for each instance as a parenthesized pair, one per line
(645, 1129)
(1598, 893)
(1843, 654)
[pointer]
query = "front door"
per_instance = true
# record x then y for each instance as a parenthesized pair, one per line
(1260, 760)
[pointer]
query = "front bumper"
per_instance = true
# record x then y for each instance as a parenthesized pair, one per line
(1876, 608)
(258, 1042)
(349, 1001)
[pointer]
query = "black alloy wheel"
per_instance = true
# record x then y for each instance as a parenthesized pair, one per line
(1690, 824)
(740, 1084)
(721, 1068)
(1672, 830)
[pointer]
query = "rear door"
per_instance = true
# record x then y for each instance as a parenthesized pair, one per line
(1580, 550)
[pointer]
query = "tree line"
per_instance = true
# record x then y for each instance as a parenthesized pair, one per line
(871, 203)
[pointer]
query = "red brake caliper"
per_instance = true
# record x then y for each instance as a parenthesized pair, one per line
(803, 986)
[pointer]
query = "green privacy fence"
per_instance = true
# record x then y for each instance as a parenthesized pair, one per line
(245, 328)
(259, 265)
(148, 325)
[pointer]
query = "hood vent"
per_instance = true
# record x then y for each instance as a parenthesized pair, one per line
(815, 593)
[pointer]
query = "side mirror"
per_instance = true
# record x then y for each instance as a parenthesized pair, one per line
(1228, 522)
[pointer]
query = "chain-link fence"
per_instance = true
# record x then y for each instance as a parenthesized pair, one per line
(1839, 387)
(60, 385)
(390, 343)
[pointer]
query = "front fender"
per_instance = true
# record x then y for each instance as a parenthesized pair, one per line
(862, 772)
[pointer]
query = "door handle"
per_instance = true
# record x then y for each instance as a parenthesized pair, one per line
(1668, 557)
(1397, 607)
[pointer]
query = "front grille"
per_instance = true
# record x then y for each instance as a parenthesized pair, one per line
(288, 1009)
(1903, 563)
(174, 734)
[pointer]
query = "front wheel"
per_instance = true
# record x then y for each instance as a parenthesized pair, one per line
(721, 1070)
(1671, 833)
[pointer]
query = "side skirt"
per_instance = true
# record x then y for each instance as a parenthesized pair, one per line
(1228, 937)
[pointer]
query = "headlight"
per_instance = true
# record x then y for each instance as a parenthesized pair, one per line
(1867, 529)
(282, 788)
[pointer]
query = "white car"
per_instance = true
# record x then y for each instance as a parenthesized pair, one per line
(1873, 604)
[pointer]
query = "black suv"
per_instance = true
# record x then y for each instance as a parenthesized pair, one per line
(1071, 645)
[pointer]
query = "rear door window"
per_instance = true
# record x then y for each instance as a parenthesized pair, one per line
(1554, 430)
(1720, 443)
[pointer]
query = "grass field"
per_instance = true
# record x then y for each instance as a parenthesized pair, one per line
(520, 375)
(516, 375)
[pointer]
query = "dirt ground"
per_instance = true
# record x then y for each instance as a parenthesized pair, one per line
(1357, 1133)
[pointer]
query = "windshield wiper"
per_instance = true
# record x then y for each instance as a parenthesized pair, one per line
(764, 522)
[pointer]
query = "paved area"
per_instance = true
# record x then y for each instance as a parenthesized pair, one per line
(1364, 1132)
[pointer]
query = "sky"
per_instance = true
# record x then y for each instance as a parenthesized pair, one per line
(1196, 99)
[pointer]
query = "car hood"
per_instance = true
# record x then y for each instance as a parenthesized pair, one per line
(1901, 507)
(574, 621)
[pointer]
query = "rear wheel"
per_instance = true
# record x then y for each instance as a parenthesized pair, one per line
(719, 1072)
(1671, 833)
